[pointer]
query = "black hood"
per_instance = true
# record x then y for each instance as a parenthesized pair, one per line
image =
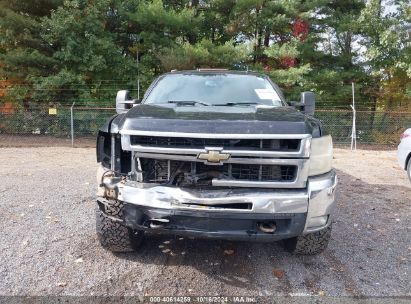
(216, 119)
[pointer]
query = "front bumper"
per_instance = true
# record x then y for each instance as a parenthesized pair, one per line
(228, 213)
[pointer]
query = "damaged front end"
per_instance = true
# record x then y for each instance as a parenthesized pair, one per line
(241, 186)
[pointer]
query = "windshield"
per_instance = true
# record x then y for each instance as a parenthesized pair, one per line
(214, 90)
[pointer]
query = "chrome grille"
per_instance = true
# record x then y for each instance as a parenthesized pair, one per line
(240, 144)
(265, 173)
(185, 159)
(163, 171)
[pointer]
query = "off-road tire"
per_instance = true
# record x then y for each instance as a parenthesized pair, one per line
(112, 234)
(309, 244)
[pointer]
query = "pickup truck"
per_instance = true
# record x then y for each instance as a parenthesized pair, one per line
(215, 154)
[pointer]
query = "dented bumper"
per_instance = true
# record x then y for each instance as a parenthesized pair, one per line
(235, 213)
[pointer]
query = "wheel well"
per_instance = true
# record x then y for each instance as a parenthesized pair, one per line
(407, 161)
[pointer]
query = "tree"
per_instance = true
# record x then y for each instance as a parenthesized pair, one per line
(56, 51)
(334, 54)
(23, 52)
(387, 41)
(91, 43)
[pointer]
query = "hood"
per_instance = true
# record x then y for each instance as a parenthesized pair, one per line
(216, 119)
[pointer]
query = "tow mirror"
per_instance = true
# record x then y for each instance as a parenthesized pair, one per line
(124, 102)
(307, 102)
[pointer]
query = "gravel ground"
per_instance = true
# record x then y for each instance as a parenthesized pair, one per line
(49, 246)
(36, 141)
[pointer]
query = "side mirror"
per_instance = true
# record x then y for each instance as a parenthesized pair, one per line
(308, 102)
(124, 102)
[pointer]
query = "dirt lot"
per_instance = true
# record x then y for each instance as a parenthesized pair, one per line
(49, 244)
(36, 141)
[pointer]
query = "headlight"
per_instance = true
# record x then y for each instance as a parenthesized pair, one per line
(321, 155)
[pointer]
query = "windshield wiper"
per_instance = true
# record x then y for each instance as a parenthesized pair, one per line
(237, 103)
(188, 102)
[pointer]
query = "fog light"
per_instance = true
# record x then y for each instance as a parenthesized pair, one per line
(317, 221)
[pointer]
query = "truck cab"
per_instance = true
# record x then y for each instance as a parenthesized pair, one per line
(215, 154)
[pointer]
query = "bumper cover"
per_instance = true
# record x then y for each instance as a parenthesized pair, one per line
(403, 151)
(221, 225)
(229, 213)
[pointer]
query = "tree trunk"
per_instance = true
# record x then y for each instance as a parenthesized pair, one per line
(267, 38)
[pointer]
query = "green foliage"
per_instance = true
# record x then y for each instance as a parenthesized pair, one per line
(162, 27)
(202, 54)
(387, 40)
(65, 51)
(388, 51)
(23, 52)
(88, 50)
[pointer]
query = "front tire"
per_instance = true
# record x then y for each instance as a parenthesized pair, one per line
(409, 169)
(309, 244)
(112, 234)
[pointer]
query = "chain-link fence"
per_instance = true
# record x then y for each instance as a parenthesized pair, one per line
(62, 125)
(65, 126)
(372, 128)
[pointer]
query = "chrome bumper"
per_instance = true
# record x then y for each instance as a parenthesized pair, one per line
(317, 200)
(321, 201)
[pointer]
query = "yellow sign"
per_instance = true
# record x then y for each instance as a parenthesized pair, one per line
(52, 111)
(213, 156)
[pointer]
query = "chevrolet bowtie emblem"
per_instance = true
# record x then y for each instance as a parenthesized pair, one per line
(213, 156)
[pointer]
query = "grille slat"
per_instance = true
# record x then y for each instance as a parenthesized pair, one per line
(161, 171)
(187, 170)
(287, 145)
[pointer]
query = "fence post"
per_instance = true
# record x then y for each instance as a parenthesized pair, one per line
(138, 77)
(72, 124)
(353, 131)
